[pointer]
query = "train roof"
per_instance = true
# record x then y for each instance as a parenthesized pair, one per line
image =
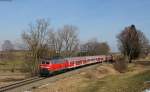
(70, 59)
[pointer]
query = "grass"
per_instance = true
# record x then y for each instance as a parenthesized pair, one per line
(126, 82)
(10, 63)
(15, 61)
(11, 66)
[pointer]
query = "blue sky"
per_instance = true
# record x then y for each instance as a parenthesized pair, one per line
(102, 19)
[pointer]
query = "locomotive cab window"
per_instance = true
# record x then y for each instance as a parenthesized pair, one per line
(47, 62)
(43, 62)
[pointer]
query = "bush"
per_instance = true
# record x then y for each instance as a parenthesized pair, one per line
(121, 65)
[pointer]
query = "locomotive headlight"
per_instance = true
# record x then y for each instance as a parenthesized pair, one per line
(47, 67)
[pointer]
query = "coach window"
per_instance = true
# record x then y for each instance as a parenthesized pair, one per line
(47, 62)
(71, 62)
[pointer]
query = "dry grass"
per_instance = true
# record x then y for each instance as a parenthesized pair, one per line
(9, 77)
(121, 65)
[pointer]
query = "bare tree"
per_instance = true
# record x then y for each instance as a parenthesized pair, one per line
(64, 40)
(55, 43)
(69, 38)
(145, 46)
(59, 41)
(51, 37)
(36, 39)
(103, 48)
(131, 41)
(93, 47)
(55, 40)
(20, 45)
(92, 44)
(7, 46)
(52, 43)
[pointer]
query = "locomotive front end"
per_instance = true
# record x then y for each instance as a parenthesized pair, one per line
(45, 67)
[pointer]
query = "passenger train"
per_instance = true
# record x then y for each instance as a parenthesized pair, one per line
(49, 66)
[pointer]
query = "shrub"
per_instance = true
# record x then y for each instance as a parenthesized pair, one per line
(121, 65)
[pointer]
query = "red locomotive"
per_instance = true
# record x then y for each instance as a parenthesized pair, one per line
(49, 66)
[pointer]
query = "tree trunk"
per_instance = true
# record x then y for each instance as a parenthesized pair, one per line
(130, 60)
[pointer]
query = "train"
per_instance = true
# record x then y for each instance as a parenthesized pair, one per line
(50, 66)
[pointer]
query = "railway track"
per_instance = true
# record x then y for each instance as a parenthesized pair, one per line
(20, 83)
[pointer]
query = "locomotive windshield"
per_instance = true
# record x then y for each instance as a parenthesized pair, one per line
(45, 62)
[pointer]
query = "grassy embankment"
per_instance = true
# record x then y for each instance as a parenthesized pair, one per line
(127, 82)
